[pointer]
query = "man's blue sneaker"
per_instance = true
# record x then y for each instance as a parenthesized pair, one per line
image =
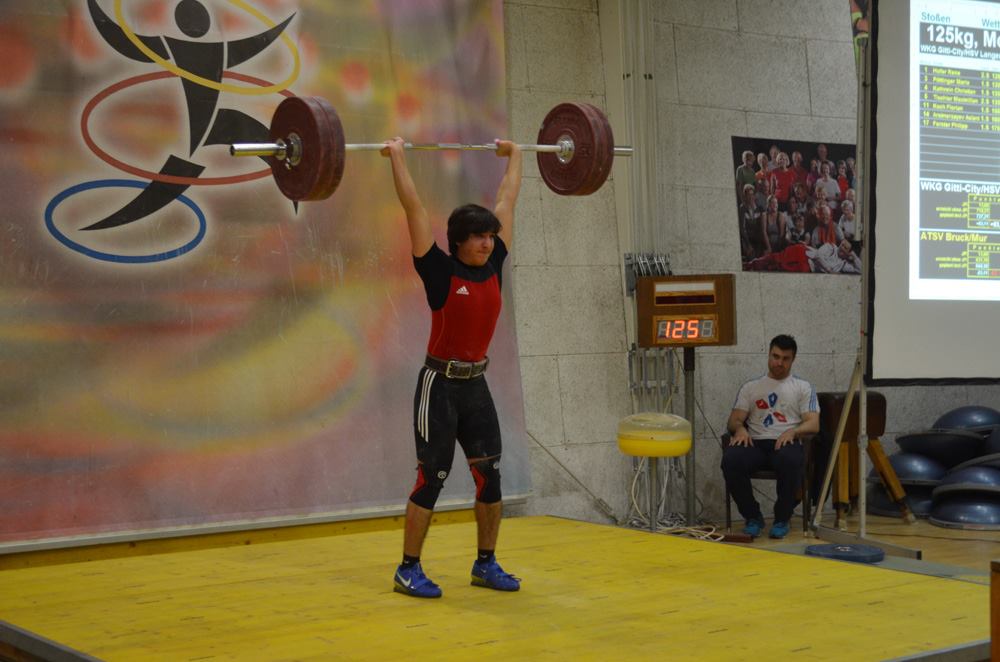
(753, 527)
(779, 530)
(413, 581)
(491, 575)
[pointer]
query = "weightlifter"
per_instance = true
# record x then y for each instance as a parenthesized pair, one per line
(452, 401)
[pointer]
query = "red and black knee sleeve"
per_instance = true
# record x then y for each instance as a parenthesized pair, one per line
(486, 473)
(430, 481)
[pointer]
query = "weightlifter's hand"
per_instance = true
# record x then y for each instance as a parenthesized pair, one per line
(394, 145)
(505, 147)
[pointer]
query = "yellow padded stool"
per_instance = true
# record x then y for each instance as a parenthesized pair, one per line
(654, 435)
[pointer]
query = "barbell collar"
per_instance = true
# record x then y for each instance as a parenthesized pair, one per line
(277, 149)
(290, 152)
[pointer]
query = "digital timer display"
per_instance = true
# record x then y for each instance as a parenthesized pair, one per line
(685, 310)
(687, 329)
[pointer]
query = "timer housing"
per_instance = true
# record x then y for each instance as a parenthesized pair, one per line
(686, 311)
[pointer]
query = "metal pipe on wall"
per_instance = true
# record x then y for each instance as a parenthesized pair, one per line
(641, 115)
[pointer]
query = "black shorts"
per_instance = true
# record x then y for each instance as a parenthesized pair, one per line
(446, 410)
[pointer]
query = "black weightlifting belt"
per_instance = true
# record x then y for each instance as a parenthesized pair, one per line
(457, 369)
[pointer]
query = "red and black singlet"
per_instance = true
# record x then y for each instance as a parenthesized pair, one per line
(465, 302)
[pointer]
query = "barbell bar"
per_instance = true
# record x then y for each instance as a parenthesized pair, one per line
(307, 150)
(280, 149)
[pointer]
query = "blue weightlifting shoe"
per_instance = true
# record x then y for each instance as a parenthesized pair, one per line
(753, 527)
(491, 575)
(779, 530)
(413, 581)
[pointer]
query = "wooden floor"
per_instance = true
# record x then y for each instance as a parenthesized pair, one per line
(589, 592)
(969, 549)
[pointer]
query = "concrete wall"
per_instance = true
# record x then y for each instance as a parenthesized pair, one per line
(762, 68)
(782, 70)
(566, 275)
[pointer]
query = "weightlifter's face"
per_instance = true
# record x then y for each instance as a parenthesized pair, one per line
(476, 250)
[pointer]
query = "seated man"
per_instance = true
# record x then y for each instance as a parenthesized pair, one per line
(771, 415)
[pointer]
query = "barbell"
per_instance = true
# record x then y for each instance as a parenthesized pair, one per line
(575, 148)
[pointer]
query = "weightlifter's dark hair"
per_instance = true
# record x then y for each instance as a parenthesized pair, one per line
(467, 220)
(784, 342)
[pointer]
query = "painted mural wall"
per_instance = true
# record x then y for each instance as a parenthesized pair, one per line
(182, 345)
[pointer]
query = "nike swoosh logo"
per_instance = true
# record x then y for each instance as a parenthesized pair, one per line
(405, 582)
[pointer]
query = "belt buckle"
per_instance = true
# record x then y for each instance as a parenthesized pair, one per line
(450, 375)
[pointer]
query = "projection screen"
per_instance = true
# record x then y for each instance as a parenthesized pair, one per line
(934, 182)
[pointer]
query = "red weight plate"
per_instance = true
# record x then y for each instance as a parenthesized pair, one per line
(593, 154)
(334, 157)
(321, 164)
(605, 152)
(321, 149)
(567, 120)
(295, 115)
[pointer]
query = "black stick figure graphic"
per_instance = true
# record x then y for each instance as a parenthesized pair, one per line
(207, 60)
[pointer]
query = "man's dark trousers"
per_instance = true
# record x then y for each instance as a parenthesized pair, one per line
(738, 462)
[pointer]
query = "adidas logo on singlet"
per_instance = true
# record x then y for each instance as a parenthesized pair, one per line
(462, 290)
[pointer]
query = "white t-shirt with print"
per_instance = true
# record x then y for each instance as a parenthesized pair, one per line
(774, 406)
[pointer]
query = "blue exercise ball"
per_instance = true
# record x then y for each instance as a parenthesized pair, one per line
(914, 469)
(992, 444)
(948, 447)
(965, 510)
(879, 502)
(990, 460)
(919, 498)
(968, 418)
(979, 475)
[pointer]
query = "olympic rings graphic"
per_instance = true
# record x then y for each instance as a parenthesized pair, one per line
(148, 174)
(111, 257)
(205, 82)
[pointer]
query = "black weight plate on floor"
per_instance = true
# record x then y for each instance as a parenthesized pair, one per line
(847, 552)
